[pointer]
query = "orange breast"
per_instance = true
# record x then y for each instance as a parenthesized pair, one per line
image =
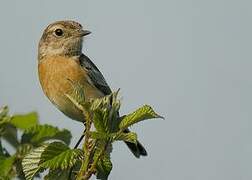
(54, 75)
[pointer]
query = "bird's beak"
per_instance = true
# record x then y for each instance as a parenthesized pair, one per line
(84, 32)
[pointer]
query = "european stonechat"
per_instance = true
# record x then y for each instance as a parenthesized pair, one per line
(61, 61)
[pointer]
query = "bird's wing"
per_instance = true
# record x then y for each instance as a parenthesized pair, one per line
(94, 74)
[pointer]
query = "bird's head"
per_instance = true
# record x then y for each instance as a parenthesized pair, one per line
(62, 38)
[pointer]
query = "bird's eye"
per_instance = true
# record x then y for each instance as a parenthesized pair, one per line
(58, 32)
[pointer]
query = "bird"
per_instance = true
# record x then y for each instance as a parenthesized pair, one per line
(61, 61)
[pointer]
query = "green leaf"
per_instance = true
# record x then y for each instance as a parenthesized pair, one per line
(40, 133)
(24, 121)
(104, 167)
(78, 93)
(55, 155)
(64, 135)
(114, 112)
(101, 115)
(99, 135)
(129, 137)
(58, 155)
(31, 161)
(1, 149)
(9, 133)
(98, 121)
(101, 103)
(6, 166)
(143, 113)
(4, 112)
(19, 170)
(105, 114)
(57, 174)
(22, 150)
(102, 157)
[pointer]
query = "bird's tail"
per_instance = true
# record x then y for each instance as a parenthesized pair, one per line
(137, 149)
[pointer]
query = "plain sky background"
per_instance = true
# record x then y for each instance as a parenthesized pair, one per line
(189, 59)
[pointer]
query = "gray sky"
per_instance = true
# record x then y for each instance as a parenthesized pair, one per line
(189, 59)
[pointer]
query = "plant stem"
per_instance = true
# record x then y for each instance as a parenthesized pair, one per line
(86, 148)
(89, 164)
